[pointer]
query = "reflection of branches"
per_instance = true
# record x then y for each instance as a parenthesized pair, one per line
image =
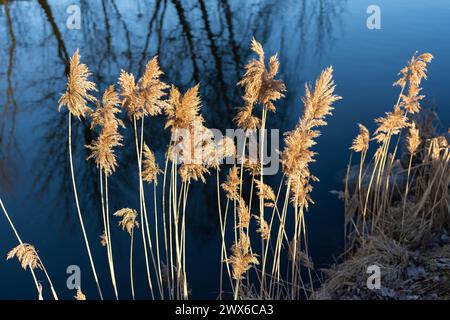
(127, 32)
(10, 99)
(231, 40)
(159, 31)
(216, 55)
(149, 33)
(7, 169)
(62, 51)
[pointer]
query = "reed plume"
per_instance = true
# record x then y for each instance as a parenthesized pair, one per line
(413, 140)
(131, 97)
(27, 256)
(191, 139)
(80, 295)
(243, 215)
(297, 153)
(78, 90)
(150, 167)
(263, 229)
(128, 219)
(103, 239)
(183, 110)
(413, 74)
(260, 86)
(266, 193)
(152, 89)
(362, 140)
(242, 259)
(231, 185)
(105, 116)
(128, 222)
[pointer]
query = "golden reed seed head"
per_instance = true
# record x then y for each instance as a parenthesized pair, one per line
(105, 116)
(392, 123)
(131, 99)
(152, 89)
(105, 113)
(78, 90)
(415, 71)
(411, 102)
(318, 103)
(231, 186)
(193, 171)
(266, 193)
(413, 139)
(260, 86)
(128, 221)
(27, 256)
(102, 149)
(183, 110)
(241, 259)
(146, 97)
(252, 165)
(300, 191)
(103, 239)
(80, 295)
(150, 167)
(413, 74)
(263, 229)
(361, 142)
(215, 152)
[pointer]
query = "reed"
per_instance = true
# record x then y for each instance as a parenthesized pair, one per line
(128, 222)
(276, 268)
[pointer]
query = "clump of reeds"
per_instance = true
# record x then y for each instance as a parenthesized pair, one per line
(372, 199)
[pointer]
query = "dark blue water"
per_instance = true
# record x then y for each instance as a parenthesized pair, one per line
(197, 41)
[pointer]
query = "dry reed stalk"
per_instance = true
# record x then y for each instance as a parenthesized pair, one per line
(38, 288)
(149, 174)
(102, 152)
(413, 143)
(28, 257)
(199, 153)
(75, 99)
(297, 155)
(141, 207)
(260, 87)
(231, 187)
(144, 98)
